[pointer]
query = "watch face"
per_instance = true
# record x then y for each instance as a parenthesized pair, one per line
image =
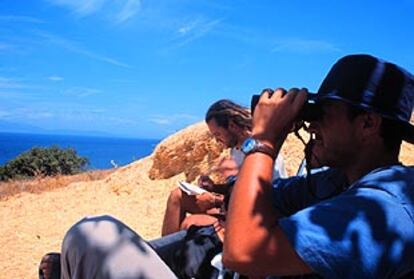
(248, 145)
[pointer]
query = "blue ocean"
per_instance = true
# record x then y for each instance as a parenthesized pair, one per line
(100, 151)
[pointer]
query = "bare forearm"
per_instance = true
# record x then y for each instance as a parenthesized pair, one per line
(254, 242)
(251, 216)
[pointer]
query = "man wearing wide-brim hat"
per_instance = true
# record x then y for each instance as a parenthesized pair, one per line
(355, 220)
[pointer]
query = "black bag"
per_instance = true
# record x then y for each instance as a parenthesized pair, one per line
(200, 246)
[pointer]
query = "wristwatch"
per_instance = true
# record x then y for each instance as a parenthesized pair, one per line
(252, 145)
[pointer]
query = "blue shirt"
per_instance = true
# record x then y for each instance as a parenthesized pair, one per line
(364, 231)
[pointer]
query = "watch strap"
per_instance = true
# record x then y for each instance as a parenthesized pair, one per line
(262, 148)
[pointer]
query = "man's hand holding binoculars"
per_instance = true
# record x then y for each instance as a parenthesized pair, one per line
(275, 114)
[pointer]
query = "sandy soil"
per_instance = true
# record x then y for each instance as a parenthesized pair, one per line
(32, 224)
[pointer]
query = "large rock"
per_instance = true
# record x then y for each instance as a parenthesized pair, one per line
(192, 151)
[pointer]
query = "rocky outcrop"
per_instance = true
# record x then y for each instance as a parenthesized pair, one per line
(192, 151)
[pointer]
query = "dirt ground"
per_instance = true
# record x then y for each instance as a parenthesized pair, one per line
(32, 224)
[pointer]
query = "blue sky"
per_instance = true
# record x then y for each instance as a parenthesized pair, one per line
(147, 68)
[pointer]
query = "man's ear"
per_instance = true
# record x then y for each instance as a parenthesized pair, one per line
(371, 123)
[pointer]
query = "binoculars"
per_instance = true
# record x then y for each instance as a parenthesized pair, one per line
(311, 110)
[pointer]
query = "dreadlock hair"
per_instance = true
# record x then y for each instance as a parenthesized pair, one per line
(224, 110)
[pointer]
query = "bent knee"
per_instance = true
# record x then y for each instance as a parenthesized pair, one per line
(101, 232)
(176, 195)
(197, 220)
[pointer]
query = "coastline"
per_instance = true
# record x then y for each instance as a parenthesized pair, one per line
(102, 152)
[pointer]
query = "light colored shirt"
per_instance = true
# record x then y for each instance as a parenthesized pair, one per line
(279, 170)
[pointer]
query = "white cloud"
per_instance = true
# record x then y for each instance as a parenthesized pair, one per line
(304, 46)
(86, 114)
(120, 120)
(130, 8)
(31, 113)
(121, 10)
(61, 115)
(161, 120)
(194, 30)
(81, 92)
(92, 115)
(55, 78)
(184, 116)
(40, 115)
(189, 26)
(172, 119)
(80, 7)
(76, 48)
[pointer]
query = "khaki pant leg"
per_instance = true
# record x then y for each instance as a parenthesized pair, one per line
(104, 248)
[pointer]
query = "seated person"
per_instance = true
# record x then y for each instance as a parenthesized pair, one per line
(366, 230)
(230, 124)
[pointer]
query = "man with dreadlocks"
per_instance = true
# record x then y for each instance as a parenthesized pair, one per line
(230, 124)
(188, 252)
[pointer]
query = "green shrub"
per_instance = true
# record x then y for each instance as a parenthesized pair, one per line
(44, 162)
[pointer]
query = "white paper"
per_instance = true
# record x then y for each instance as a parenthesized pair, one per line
(190, 189)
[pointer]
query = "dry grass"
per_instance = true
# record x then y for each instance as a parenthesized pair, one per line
(42, 184)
